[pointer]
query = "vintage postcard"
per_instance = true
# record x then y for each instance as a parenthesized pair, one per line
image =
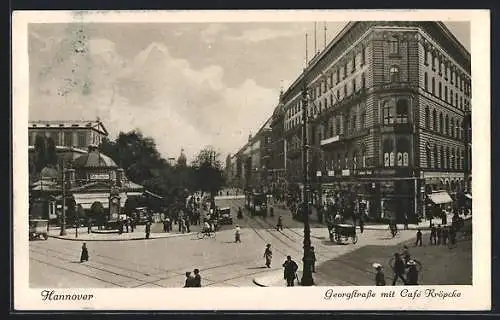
(263, 160)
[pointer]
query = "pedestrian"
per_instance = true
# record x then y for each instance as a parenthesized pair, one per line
(445, 235)
(268, 254)
(279, 225)
(412, 275)
(405, 222)
(313, 258)
(379, 276)
(419, 238)
(398, 268)
(405, 255)
(271, 212)
(120, 226)
(361, 224)
(237, 234)
(89, 226)
(197, 278)
(432, 239)
(127, 224)
(290, 271)
(148, 229)
(187, 225)
(439, 234)
(189, 280)
(165, 225)
(132, 223)
(85, 253)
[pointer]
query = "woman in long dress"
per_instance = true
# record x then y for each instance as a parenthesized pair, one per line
(85, 253)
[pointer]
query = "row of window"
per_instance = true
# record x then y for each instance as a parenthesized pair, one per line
(446, 126)
(318, 106)
(451, 97)
(66, 138)
(395, 112)
(444, 158)
(448, 71)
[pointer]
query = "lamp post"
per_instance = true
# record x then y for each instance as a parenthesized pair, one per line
(307, 279)
(63, 211)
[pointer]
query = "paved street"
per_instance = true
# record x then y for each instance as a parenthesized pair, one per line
(163, 262)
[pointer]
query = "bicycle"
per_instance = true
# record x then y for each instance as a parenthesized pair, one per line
(205, 234)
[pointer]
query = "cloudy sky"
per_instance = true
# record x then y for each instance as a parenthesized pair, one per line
(185, 85)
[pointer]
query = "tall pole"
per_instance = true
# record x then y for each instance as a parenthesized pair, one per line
(307, 279)
(63, 187)
(315, 40)
(325, 33)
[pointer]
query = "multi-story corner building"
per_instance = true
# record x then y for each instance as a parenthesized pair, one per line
(386, 102)
(277, 169)
(253, 161)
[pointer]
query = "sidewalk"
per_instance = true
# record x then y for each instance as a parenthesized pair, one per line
(138, 234)
(423, 225)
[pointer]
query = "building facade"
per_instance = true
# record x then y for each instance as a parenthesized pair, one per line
(386, 103)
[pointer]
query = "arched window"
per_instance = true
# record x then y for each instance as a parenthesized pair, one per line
(433, 86)
(402, 156)
(441, 156)
(394, 46)
(447, 128)
(427, 117)
(448, 165)
(436, 157)
(426, 81)
(402, 111)
(394, 72)
(388, 112)
(434, 120)
(388, 151)
(452, 127)
(428, 157)
(441, 122)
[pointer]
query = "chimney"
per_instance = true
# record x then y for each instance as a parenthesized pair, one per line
(119, 177)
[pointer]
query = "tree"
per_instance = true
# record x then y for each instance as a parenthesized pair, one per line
(208, 171)
(45, 153)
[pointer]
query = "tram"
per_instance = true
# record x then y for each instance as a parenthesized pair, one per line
(256, 203)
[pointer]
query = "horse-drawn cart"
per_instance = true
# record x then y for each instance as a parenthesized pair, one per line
(38, 229)
(341, 233)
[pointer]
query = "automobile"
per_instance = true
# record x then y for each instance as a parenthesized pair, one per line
(38, 229)
(225, 216)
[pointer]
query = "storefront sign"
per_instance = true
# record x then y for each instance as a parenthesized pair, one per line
(99, 176)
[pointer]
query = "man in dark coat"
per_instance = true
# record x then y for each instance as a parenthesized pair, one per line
(85, 253)
(290, 271)
(379, 276)
(412, 276)
(189, 280)
(197, 278)
(399, 269)
(279, 225)
(148, 229)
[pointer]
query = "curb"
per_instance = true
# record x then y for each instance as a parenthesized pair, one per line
(258, 284)
(129, 239)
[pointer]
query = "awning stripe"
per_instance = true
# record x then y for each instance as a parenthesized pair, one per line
(440, 197)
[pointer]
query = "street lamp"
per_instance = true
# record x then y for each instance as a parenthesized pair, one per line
(307, 279)
(63, 187)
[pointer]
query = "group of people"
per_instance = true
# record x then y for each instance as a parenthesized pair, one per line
(193, 281)
(404, 268)
(290, 267)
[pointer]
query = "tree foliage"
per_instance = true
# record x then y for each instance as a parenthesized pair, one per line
(208, 170)
(45, 153)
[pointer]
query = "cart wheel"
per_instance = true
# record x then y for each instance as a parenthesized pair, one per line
(354, 239)
(200, 235)
(45, 236)
(31, 237)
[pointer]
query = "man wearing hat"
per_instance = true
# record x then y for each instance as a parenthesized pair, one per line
(379, 276)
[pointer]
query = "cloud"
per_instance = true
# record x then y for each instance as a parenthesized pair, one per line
(163, 96)
(262, 34)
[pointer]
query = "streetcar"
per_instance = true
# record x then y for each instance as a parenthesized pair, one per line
(256, 203)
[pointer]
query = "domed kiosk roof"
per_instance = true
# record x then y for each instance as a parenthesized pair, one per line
(94, 159)
(49, 173)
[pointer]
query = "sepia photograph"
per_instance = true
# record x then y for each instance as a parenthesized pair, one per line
(312, 152)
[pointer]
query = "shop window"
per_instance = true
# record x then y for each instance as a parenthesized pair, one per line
(388, 151)
(428, 155)
(388, 112)
(394, 73)
(434, 120)
(402, 111)
(427, 117)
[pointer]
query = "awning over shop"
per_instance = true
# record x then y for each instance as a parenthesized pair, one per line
(152, 195)
(87, 199)
(468, 196)
(440, 197)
